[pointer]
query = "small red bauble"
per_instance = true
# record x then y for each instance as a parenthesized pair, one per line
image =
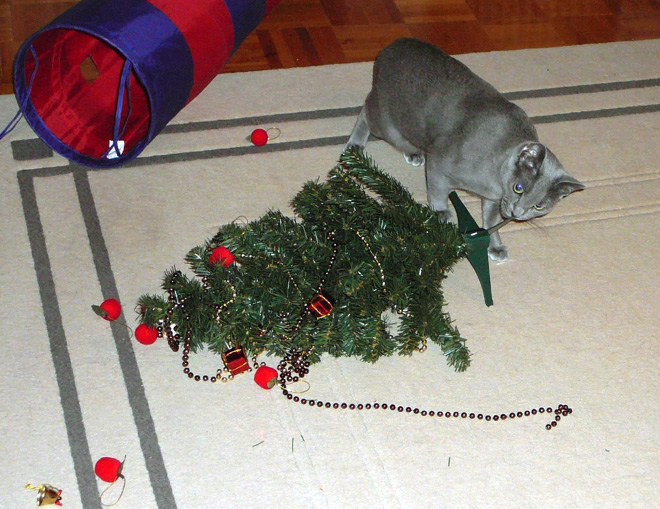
(259, 137)
(266, 377)
(145, 334)
(109, 469)
(109, 309)
(223, 255)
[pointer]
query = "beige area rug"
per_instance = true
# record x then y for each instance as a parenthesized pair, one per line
(575, 318)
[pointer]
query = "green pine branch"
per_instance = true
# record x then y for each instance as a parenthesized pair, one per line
(392, 255)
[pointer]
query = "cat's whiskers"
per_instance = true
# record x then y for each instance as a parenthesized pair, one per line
(534, 225)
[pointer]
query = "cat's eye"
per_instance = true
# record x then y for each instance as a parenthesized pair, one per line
(539, 207)
(518, 188)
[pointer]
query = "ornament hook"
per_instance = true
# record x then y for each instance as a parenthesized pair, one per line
(287, 387)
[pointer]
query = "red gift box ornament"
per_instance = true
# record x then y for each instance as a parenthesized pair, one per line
(235, 360)
(321, 305)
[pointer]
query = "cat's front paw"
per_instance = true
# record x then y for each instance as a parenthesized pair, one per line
(414, 159)
(444, 216)
(498, 254)
(351, 145)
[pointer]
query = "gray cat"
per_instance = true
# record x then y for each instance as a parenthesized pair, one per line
(436, 111)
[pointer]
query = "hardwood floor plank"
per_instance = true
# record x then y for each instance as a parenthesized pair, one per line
(7, 52)
(454, 36)
(345, 12)
(327, 46)
(301, 47)
(529, 35)
(284, 52)
(423, 11)
(574, 8)
(636, 8)
(635, 28)
(296, 13)
(270, 50)
(588, 30)
(27, 18)
(5, 23)
(382, 12)
(361, 43)
(506, 12)
(249, 57)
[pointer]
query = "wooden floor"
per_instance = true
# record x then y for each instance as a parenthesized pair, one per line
(315, 32)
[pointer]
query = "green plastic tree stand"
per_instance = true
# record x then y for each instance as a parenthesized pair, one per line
(477, 239)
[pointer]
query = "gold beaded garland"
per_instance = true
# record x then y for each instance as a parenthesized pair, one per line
(295, 365)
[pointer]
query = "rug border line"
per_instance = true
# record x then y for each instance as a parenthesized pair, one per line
(144, 423)
(537, 93)
(554, 118)
(64, 375)
(69, 400)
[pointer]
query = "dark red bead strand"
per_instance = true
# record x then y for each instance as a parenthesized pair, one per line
(561, 410)
(175, 339)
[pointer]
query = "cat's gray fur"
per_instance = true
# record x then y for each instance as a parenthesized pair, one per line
(436, 111)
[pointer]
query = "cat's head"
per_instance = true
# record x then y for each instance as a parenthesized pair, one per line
(534, 181)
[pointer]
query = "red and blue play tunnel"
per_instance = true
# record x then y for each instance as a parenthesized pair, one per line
(102, 80)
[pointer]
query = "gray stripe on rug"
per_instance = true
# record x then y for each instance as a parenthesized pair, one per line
(340, 140)
(331, 140)
(73, 419)
(24, 150)
(612, 86)
(209, 125)
(137, 398)
(590, 115)
(353, 110)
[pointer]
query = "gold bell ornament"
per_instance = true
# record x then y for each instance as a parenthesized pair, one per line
(48, 495)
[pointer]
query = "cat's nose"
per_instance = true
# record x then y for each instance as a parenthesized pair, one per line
(517, 212)
(507, 211)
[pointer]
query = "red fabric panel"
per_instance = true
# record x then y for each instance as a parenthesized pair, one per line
(82, 114)
(209, 32)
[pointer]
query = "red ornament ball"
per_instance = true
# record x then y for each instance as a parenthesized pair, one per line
(110, 309)
(222, 255)
(145, 334)
(266, 377)
(259, 137)
(109, 469)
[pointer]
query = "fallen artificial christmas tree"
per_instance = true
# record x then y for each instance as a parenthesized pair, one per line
(323, 282)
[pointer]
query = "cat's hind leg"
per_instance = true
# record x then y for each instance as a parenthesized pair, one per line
(491, 216)
(438, 188)
(360, 134)
(373, 121)
(411, 154)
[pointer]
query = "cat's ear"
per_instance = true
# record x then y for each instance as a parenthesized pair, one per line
(531, 157)
(566, 185)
